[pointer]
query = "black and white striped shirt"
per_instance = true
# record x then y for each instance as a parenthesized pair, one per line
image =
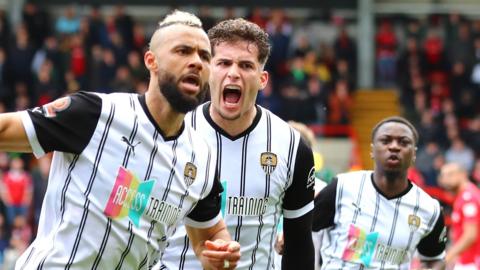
(366, 230)
(117, 186)
(265, 171)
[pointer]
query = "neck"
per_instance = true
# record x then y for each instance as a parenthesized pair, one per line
(390, 184)
(167, 119)
(235, 126)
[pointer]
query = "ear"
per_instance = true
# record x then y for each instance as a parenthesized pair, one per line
(263, 79)
(150, 61)
(371, 150)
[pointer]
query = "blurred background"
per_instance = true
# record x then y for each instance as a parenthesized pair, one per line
(337, 66)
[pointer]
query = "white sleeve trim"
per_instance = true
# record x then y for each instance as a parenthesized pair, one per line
(298, 212)
(32, 135)
(441, 256)
(203, 224)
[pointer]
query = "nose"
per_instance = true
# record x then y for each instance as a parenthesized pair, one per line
(196, 62)
(233, 73)
(394, 145)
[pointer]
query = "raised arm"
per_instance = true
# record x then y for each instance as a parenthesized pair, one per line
(13, 137)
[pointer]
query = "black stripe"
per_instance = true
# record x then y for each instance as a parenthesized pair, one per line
(359, 199)
(62, 202)
(147, 176)
(193, 120)
(242, 184)
(28, 258)
(415, 211)
(337, 213)
(89, 187)
(172, 170)
(126, 158)
(266, 194)
(129, 246)
(394, 224)
(103, 244)
(186, 245)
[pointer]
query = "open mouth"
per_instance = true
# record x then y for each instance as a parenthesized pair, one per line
(191, 79)
(232, 94)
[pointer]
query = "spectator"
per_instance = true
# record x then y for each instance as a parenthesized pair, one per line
(386, 42)
(16, 190)
(68, 23)
(461, 154)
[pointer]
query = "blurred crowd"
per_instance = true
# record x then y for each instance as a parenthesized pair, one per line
(433, 62)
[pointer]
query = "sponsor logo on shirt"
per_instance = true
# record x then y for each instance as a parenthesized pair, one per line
(50, 110)
(363, 247)
(268, 161)
(131, 197)
(311, 178)
(246, 206)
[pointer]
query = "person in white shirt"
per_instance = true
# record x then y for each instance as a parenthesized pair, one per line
(126, 169)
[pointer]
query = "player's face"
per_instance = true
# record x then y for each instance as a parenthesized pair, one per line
(450, 177)
(183, 66)
(236, 78)
(393, 147)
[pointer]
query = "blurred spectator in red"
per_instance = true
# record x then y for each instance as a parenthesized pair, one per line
(139, 38)
(16, 191)
(339, 104)
(386, 47)
(433, 46)
(464, 252)
(257, 16)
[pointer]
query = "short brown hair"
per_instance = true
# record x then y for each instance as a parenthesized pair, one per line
(234, 30)
(396, 119)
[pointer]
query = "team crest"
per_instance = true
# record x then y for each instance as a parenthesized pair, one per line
(413, 222)
(190, 173)
(268, 161)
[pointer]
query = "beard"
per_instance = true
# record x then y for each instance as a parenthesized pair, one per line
(178, 101)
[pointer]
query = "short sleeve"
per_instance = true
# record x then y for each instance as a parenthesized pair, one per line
(299, 195)
(66, 124)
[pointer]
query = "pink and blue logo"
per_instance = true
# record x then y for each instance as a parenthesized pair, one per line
(129, 197)
(360, 246)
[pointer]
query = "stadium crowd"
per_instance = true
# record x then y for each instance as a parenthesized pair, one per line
(434, 63)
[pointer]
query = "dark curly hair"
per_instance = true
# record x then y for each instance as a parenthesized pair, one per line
(234, 30)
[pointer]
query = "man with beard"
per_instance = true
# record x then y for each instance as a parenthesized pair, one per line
(378, 219)
(126, 169)
(464, 253)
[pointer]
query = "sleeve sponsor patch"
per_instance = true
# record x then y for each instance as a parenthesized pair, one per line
(51, 109)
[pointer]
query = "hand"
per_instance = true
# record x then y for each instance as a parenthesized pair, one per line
(220, 254)
(280, 243)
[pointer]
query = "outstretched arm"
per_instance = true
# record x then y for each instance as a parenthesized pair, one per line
(214, 247)
(13, 137)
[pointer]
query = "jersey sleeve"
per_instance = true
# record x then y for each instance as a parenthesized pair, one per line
(207, 211)
(432, 246)
(66, 124)
(324, 211)
(298, 198)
